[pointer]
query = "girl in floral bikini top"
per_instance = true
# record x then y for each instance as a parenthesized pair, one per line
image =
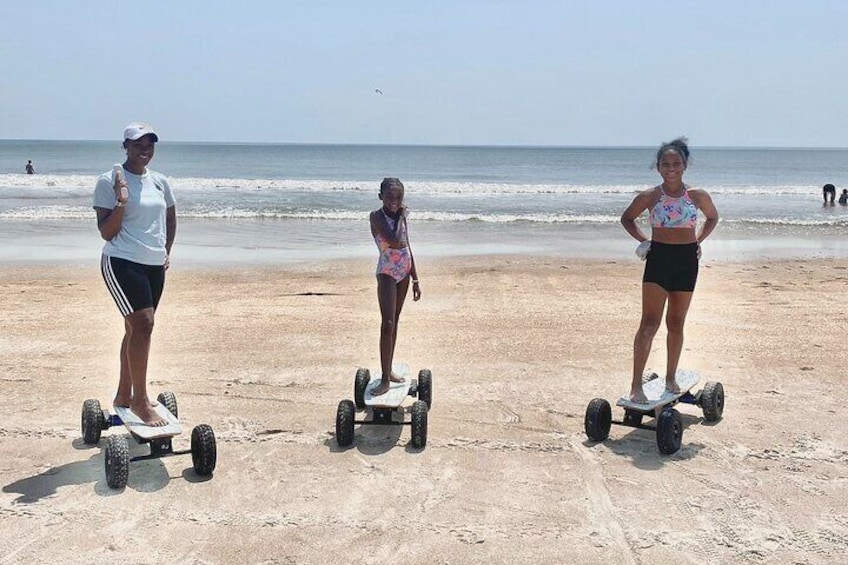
(672, 254)
(674, 212)
(395, 267)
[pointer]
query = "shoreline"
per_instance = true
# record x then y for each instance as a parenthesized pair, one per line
(259, 243)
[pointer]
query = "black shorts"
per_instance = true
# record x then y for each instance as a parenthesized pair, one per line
(672, 266)
(133, 286)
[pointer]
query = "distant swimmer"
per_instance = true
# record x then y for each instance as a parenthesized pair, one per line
(829, 189)
(843, 198)
(30, 169)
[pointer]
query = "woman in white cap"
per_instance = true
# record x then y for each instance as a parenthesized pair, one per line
(136, 216)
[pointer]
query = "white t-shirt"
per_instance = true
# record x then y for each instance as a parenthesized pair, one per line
(142, 235)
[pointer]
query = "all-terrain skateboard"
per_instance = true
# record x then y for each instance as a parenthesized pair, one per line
(669, 425)
(117, 458)
(381, 410)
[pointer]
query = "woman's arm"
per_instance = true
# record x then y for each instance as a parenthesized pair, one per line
(109, 221)
(170, 227)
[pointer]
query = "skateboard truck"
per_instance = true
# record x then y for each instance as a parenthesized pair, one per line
(117, 454)
(383, 414)
(669, 424)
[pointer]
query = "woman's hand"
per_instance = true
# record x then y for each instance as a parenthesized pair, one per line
(121, 190)
(416, 291)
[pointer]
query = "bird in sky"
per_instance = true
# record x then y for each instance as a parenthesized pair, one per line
(378, 91)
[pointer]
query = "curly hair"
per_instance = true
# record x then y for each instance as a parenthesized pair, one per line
(679, 146)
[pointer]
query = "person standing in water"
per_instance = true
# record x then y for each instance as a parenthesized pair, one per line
(673, 252)
(30, 168)
(829, 192)
(395, 268)
(136, 215)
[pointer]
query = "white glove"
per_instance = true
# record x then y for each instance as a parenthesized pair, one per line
(642, 249)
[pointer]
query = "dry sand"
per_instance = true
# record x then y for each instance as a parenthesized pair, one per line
(517, 345)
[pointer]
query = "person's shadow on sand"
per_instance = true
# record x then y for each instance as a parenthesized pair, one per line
(145, 476)
(641, 445)
(372, 439)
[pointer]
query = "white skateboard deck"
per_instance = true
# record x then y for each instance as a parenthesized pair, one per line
(397, 391)
(657, 394)
(138, 428)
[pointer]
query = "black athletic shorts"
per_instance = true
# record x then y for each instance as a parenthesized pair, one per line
(672, 266)
(133, 286)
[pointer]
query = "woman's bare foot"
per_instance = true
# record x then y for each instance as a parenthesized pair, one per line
(637, 395)
(147, 414)
(672, 386)
(122, 401)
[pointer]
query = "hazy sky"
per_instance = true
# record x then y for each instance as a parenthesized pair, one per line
(617, 72)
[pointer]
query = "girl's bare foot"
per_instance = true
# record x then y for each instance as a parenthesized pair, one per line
(381, 389)
(638, 396)
(396, 378)
(147, 414)
(672, 386)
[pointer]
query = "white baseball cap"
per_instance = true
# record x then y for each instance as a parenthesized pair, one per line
(136, 130)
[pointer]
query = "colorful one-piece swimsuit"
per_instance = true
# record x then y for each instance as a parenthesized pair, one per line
(397, 263)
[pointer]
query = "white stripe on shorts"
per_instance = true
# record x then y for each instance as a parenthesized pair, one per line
(114, 288)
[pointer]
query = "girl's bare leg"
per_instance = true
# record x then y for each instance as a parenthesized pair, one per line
(653, 302)
(678, 306)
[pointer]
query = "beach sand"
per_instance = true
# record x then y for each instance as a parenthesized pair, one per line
(518, 346)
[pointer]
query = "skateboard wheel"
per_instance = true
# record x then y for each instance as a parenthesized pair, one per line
(204, 452)
(92, 421)
(419, 424)
(344, 423)
(669, 431)
(117, 461)
(598, 419)
(363, 377)
(425, 387)
(169, 401)
(712, 401)
(632, 418)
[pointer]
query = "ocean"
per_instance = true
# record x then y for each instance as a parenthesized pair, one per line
(282, 203)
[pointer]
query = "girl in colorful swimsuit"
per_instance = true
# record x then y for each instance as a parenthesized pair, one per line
(673, 252)
(395, 268)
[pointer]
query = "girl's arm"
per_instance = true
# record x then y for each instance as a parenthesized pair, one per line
(705, 203)
(381, 226)
(641, 203)
(413, 272)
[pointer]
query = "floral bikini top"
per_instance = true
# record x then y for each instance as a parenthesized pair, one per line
(671, 212)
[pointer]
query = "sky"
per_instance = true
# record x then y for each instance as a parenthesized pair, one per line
(471, 72)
